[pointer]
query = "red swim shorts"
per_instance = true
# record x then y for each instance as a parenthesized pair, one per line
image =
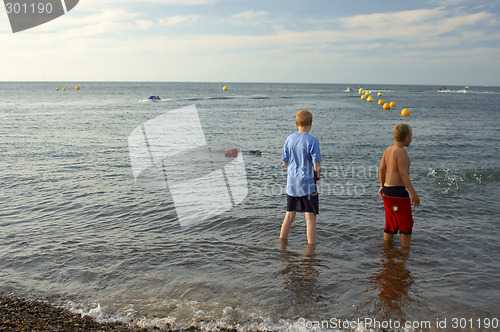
(397, 205)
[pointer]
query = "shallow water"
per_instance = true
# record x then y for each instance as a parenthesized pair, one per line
(75, 228)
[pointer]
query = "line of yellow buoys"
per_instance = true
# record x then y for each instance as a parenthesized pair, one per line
(367, 95)
(69, 88)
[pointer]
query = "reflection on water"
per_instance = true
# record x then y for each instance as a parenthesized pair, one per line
(390, 287)
(300, 278)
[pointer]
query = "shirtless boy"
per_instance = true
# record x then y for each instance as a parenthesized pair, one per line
(394, 187)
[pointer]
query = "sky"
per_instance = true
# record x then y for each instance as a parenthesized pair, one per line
(453, 42)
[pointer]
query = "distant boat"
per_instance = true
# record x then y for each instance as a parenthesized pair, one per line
(466, 87)
(349, 89)
(154, 98)
(442, 89)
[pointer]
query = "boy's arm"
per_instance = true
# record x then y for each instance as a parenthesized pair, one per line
(317, 171)
(404, 172)
(381, 173)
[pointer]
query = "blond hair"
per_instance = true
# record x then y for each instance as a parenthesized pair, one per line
(401, 131)
(303, 118)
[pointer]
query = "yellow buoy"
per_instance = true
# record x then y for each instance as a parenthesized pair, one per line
(405, 112)
(381, 102)
(380, 94)
(57, 89)
(64, 89)
(393, 104)
(363, 97)
(465, 91)
(77, 87)
(224, 88)
(386, 106)
(69, 88)
(361, 91)
(370, 99)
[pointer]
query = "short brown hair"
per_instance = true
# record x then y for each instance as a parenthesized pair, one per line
(401, 131)
(303, 118)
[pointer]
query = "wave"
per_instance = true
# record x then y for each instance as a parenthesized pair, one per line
(219, 98)
(202, 98)
(187, 315)
(147, 100)
(468, 91)
(456, 180)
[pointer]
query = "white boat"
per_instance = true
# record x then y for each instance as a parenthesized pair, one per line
(349, 89)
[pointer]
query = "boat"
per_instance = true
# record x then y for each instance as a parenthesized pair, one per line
(349, 89)
(154, 98)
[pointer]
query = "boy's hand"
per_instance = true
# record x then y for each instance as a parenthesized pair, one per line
(415, 200)
(316, 176)
(379, 192)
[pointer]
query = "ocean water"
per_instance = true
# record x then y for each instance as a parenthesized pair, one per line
(77, 230)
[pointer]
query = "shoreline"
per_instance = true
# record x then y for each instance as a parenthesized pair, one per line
(18, 314)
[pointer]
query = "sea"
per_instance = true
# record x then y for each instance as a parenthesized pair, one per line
(77, 230)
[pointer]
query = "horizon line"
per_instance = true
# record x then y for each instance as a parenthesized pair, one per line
(238, 82)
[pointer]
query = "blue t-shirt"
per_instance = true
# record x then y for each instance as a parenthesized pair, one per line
(301, 151)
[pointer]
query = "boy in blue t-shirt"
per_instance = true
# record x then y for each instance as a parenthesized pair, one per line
(302, 158)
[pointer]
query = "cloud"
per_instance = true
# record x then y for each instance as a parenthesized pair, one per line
(175, 20)
(250, 17)
(115, 38)
(427, 28)
(99, 3)
(107, 22)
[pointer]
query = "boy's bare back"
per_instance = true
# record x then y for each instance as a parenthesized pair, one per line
(396, 163)
(395, 157)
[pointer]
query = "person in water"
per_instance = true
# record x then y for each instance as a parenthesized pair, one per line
(302, 158)
(394, 187)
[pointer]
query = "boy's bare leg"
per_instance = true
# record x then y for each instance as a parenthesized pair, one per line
(310, 250)
(311, 227)
(405, 240)
(283, 244)
(388, 237)
(287, 223)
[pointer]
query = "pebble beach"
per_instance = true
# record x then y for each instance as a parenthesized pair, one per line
(18, 314)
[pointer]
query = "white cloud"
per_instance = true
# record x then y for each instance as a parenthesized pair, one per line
(143, 24)
(175, 20)
(250, 17)
(100, 3)
(420, 28)
(115, 38)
